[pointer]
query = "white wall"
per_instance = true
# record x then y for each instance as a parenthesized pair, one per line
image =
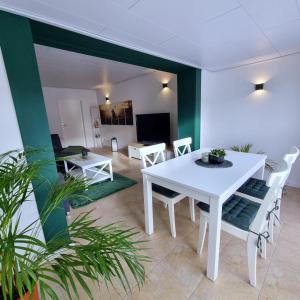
(233, 114)
(10, 139)
(53, 95)
(147, 96)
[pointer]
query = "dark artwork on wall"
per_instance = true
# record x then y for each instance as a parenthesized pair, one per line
(116, 114)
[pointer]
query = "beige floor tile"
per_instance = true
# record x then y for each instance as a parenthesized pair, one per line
(283, 278)
(228, 286)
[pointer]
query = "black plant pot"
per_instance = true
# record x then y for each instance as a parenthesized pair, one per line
(216, 159)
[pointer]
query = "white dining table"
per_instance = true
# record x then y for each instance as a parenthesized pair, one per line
(210, 185)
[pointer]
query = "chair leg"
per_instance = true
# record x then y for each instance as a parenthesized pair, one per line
(192, 209)
(172, 219)
(202, 233)
(263, 253)
(252, 257)
(271, 229)
(277, 212)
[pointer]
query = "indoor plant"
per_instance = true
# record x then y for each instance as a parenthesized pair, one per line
(83, 251)
(247, 147)
(216, 156)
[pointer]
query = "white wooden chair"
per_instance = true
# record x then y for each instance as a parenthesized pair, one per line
(288, 159)
(150, 156)
(182, 147)
(249, 225)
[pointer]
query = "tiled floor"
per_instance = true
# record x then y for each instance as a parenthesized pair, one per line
(176, 271)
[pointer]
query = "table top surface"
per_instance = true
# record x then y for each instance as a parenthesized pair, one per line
(215, 182)
(92, 159)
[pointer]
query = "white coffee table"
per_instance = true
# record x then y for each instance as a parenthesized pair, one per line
(93, 167)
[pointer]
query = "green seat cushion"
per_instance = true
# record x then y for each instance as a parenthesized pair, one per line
(255, 188)
(237, 211)
(164, 191)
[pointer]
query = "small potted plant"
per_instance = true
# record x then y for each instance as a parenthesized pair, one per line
(216, 156)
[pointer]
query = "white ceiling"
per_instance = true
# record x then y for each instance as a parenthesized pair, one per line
(211, 34)
(64, 69)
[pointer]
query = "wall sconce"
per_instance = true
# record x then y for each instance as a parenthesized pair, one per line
(107, 100)
(259, 86)
(165, 85)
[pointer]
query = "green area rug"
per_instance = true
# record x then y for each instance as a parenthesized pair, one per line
(100, 190)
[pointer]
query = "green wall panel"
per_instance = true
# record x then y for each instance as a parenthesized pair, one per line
(19, 57)
(189, 105)
(52, 36)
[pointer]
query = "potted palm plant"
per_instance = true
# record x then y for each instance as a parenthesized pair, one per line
(84, 251)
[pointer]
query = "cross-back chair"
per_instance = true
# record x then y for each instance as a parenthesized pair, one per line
(181, 147)
(150, 156)
(247, 220)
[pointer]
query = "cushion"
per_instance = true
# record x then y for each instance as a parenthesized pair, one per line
(164, 191)
(255, 188)
(237, 211)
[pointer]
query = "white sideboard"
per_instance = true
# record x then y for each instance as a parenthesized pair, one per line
(133, 151)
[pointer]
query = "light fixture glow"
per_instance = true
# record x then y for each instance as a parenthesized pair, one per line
(107, 100)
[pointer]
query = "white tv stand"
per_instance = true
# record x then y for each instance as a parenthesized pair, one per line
(134, 152)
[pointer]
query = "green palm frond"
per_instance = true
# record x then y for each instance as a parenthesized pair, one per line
(244, 148)
(84, 251)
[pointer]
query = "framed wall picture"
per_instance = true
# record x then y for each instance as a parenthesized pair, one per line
(116, 113)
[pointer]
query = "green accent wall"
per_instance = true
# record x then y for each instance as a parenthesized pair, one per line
(52, 36)
(19, 57)
(189, 105)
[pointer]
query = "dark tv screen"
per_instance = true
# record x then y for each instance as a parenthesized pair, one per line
(153, 128)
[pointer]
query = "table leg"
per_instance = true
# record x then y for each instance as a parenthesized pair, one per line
(66, 166)
(84, 176)
(262, 172)
(215, 217)
(148, 204)
(111, 172)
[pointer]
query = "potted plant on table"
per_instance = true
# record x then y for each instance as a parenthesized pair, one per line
(216, 156)
(84, 251)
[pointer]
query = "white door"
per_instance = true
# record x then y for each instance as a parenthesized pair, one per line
(72, 122)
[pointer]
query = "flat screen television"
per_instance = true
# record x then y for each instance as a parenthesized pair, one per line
(153, 128)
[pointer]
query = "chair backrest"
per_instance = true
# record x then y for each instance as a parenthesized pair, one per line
(288, 159)
(152, 155)
(291, 156)
(182, 146)
(276, 182)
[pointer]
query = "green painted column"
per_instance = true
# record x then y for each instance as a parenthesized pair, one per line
(189, 105)
(20, 61)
